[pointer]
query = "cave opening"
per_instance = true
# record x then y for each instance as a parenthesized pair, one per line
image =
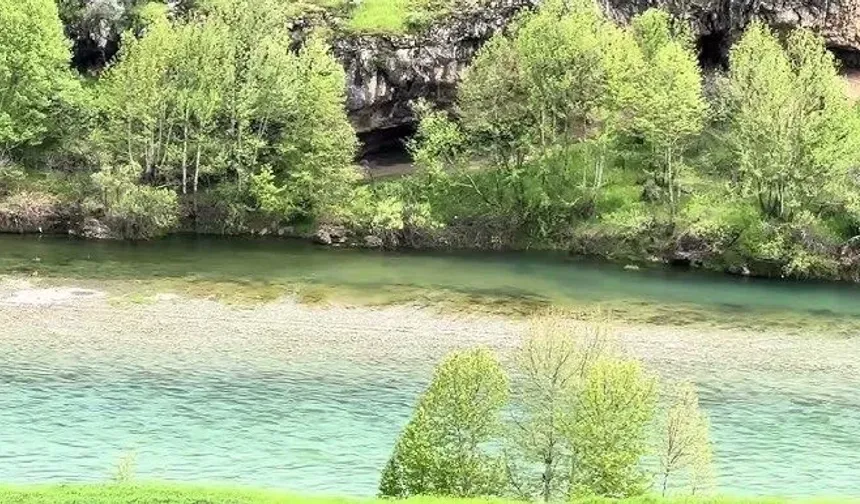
(848, 58)
(385, 152)
(713, 49)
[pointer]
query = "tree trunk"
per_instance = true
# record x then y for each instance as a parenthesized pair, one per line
(185, 155)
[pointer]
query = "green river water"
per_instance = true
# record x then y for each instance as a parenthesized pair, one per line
(327, 426)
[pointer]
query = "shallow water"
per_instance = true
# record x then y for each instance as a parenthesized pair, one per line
(245, 407)
(543, 276)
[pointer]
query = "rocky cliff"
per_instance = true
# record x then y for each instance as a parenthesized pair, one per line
(386, 72)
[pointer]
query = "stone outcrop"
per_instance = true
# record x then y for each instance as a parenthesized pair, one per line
(387, 72)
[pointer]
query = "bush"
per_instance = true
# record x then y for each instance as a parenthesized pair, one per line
(29, 212)
(132, 210)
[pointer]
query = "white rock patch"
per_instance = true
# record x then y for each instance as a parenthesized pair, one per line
(48, 296)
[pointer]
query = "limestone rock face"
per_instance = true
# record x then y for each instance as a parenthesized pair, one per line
(837, 20)
(386, 72)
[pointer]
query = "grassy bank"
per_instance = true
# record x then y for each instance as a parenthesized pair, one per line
(178, 494)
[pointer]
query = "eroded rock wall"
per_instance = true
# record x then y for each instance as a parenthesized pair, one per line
(385, 73)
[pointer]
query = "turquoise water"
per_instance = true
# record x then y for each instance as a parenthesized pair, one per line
(327, 426)
(531, 276)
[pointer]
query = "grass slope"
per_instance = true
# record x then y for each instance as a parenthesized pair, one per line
(179, 494)
(381, 16)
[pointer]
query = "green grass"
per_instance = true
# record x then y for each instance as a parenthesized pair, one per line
(381, 16)
(157, 493)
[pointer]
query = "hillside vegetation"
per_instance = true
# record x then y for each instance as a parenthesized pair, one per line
(569, 132)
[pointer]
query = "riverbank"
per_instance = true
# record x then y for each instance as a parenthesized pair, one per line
(152, 493)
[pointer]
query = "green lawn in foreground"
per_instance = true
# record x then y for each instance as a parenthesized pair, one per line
(180, 494)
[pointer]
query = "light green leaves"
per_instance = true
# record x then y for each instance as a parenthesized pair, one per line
(685, 450)
(578, 423)
(444, 448)
(791, 127)
(34, 74)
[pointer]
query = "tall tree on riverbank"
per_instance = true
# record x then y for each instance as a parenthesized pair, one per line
(34, 71)
(685, 449)
(551, 369)
(791, 127)
(668, 108)
(443, 449)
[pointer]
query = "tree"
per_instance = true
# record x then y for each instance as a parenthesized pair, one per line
(536, 104)
(442, 451)
(226, 93)
(669, 109)
(560, 52)
(790, 126)
(197, 82)
(608, 434)
(493, 104)
(138, 99)
(686, 445)
(34, 70)
(284, 111)
(317, 143)
(551, 366)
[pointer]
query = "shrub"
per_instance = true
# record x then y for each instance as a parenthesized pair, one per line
(132, 210)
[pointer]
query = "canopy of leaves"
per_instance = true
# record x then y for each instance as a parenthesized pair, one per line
(34, 70)
(444, 448)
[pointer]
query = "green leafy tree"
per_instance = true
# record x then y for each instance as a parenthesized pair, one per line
(669, 109)
(34, 71)
(551, 365)
(225, 94)
(443, 449)
(685, 450)
(317, 143)
(284, 110)
(138, 100)
(493, 103)
(197, 82)
(560, 52)
(790, 126)
(609, 433)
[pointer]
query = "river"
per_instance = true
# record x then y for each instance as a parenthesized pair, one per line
(310, 398)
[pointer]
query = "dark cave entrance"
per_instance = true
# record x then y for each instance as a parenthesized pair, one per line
(385, 152)
(713, 49)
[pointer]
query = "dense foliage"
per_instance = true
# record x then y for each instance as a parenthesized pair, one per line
(579, 421)
(609, 141)
(218, 101)
(442, 450)
(568, 132)
(34, 76)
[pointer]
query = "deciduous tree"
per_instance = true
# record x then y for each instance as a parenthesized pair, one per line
(34, 71)
(443, 449)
